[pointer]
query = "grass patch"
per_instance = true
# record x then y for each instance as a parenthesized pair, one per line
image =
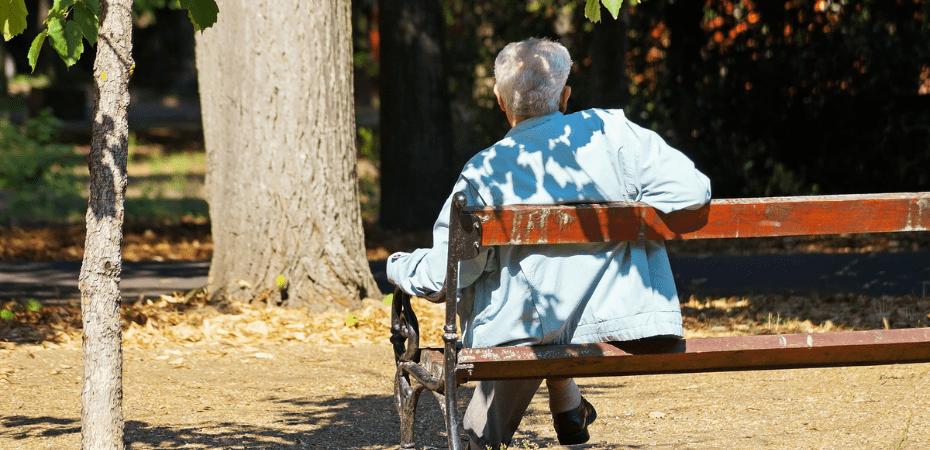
(51, 183)
(37, 179)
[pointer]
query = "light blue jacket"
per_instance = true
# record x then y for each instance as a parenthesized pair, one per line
(576, 293)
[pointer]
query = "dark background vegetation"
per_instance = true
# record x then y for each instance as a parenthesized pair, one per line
(768, 97)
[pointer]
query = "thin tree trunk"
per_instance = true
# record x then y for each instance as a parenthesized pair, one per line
(279, 125)
(102, 392)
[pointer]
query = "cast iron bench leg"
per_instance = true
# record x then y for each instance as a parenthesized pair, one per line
(406, 398)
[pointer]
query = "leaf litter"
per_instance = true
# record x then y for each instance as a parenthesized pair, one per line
(194, 319)
(177, 319)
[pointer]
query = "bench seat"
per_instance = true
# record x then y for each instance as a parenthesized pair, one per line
(664, 356)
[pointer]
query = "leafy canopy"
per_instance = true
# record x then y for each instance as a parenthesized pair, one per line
(70, 22)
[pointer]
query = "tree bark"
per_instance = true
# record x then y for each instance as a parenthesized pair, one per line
(279, 126)
(417, 172)
(102, 392)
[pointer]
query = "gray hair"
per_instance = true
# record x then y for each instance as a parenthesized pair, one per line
(530, 76)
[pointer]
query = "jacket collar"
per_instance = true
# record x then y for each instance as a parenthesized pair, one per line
(532, 123)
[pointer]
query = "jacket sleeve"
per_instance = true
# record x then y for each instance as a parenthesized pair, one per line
(667, 179)
(423, 272)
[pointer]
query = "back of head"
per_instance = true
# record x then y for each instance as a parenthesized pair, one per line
(530, 76)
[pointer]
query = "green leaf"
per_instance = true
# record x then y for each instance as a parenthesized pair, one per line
(6, 314)
(87, 20)
(35, 48)
(592, 10)
(56, 28)
(613, 6)
(388, 299)
(93, 5)
(12, 17)
(201, 12)
(60, 9)
(66, 40)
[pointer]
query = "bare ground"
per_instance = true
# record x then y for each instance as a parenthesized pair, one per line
(301, 396)
(241, 377)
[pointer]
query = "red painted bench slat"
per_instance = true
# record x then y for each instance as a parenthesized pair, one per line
(727, 218)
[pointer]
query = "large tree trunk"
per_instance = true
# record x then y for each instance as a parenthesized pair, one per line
(417, 171)
(279, 125)
(102, 392)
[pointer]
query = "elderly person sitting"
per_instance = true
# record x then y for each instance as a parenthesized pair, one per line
(580, 293)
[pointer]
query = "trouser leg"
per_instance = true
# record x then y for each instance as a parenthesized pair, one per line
(495, 411)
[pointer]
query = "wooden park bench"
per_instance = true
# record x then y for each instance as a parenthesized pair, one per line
(442, 370)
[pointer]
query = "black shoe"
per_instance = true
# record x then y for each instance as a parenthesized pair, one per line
(572, 426)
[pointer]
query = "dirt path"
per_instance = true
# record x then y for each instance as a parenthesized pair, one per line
(304, 396)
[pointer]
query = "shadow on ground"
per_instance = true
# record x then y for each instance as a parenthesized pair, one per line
(23, 427)
(349, 422)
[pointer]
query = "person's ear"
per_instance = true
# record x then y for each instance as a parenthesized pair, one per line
(500, 100)
(563, 102)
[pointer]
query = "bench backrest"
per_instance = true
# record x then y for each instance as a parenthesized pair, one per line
(727, 218)
(471, 228)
